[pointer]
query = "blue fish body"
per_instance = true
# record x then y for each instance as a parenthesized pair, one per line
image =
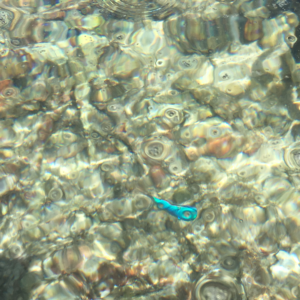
(186, 213)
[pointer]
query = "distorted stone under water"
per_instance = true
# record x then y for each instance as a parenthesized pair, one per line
(149, 150)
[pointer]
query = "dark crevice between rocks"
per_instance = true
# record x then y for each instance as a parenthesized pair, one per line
(296, 47)
(14, 283)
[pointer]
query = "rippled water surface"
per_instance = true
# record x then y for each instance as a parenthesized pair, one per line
(149, 150)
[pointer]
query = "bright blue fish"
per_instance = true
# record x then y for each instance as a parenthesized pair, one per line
(186, 213)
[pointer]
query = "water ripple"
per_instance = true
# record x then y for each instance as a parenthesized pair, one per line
(138, 8)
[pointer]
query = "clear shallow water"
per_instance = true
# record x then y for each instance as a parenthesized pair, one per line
(107, 104)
